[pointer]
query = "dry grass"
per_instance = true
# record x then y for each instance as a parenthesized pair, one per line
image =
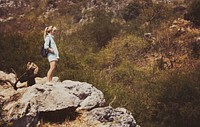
(78, 122)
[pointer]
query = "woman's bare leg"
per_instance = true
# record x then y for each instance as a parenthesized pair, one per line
(51, 71)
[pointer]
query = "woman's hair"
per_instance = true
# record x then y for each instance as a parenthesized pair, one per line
(48, 30)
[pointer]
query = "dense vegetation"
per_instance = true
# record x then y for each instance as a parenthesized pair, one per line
(157, 80)
(193, 12)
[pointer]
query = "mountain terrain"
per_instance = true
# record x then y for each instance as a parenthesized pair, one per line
(144, 55)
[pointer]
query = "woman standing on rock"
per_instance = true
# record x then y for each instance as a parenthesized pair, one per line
(53, 54)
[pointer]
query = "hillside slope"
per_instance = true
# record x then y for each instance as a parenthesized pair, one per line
(143, 55)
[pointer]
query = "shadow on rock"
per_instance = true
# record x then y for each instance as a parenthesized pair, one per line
(59, 116)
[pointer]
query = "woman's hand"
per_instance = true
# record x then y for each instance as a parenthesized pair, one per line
(51, 50)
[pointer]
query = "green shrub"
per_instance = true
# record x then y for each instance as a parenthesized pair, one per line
(193, 12)
(101, 30)
(125, 47)
(124, 73)
(11, 53)
(178, 100)
(69, 67)
(131, 11)
(150, 18)
(18, 50)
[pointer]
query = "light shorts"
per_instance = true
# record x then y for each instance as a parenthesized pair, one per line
(52, 57)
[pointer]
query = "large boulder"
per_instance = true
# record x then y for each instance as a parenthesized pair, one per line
(80, 101)
(109, 117)
(26, 105)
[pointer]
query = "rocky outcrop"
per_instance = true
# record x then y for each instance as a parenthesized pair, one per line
(26, 106)
(109, 117)
(7, 78)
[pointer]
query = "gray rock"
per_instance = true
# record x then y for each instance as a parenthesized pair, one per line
(109, 117)
(89, 95)
(25, 106)
(10, 78)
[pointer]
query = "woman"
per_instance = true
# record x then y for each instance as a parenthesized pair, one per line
(53, 54)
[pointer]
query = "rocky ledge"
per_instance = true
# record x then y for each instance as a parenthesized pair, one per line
(58, 101)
